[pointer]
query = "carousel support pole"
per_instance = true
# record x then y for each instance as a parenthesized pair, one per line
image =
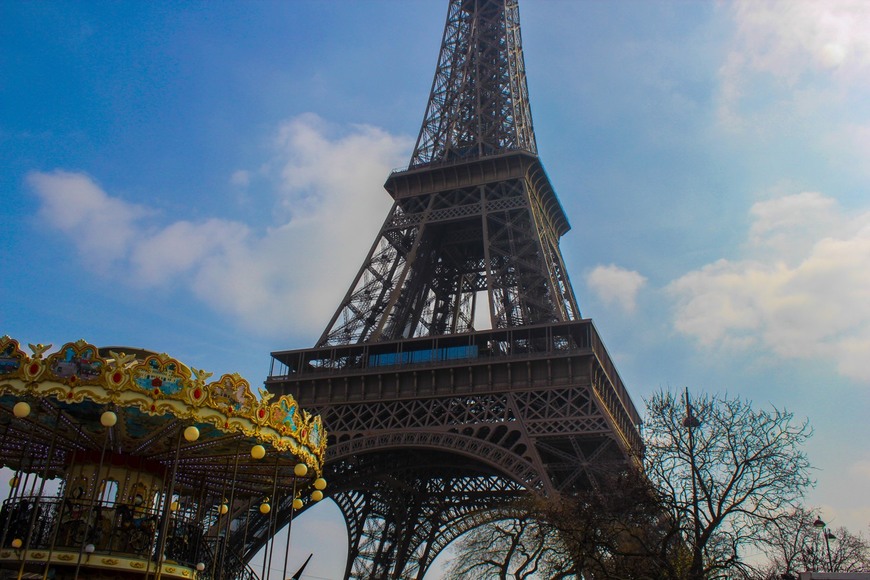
(226, 541)
(9, 504)
(197, 545)
(5, 434)
(36, 503)
(267, 556)
(273, 517)
(92, 502)
(120, 493)
(266, 548)
(217, 536)
(151, 555)
(27, 476)
(167, 501)
(56, 530)
(245, 534)
(6, 503)
(16, 491)
(289, 527)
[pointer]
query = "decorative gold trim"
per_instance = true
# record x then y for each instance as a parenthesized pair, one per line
(159, 385)
(65, 557)
(137, 565)
(110, 561)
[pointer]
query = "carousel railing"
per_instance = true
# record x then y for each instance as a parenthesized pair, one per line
(114, 528)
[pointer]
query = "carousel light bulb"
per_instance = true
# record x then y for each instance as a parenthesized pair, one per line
(13, 482)
(258, 452)
(317, 495)
(320, 483)
(89, 549)
(17, 543)
(300, 470)
(224, 508)
(200, 567)
(21, 409)
(174, 506)
(108, 419)
(297, 504)
(191, 434)
(265, 508)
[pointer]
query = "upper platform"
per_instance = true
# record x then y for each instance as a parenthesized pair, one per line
(448, 175)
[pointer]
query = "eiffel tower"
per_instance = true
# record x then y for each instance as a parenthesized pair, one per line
(457, 372)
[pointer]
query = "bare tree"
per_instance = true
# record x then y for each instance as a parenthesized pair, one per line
(516, 548)
(723, 471)
(615, 530)
(849, 552)
(799, 542)
(786, 542)
(717, 474)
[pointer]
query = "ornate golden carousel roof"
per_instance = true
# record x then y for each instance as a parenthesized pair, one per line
(152, 398)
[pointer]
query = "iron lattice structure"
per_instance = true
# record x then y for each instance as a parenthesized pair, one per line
(457, 373)
(474, 215)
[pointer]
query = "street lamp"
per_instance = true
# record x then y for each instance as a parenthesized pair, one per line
(691, 422)
(820, 525)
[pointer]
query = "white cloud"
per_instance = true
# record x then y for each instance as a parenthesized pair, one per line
(787, 227)
(101, 227)
(788, 38)
(290, 276)
(335, 176)
(794, 59)
(615, 285)
(241, 178)
(182, 246)
(800, 292)
(861, 469)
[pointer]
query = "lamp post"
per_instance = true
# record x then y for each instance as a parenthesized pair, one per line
(690, 422)
(820, 525)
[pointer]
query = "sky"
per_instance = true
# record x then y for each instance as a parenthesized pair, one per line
(204, 179)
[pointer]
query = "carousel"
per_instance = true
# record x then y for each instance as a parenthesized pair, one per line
(129, 464)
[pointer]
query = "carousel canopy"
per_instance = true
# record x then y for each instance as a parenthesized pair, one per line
(135, 408)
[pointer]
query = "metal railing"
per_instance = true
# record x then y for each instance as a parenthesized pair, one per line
(515, 342)
(111, 528)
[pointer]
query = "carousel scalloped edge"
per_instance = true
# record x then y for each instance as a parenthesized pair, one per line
(159, 384)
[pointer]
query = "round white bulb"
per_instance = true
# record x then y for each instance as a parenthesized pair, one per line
(108, 419)
(191, 433)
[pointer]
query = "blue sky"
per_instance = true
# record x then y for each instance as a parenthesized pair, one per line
(204, 179)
